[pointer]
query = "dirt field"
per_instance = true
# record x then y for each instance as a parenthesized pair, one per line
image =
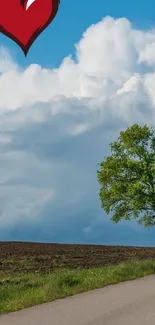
(22, 257)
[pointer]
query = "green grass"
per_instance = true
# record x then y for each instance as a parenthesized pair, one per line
(22, 291)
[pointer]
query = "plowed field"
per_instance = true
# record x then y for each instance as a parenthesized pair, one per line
(23, 257)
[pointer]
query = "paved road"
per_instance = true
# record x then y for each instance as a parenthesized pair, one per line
(131, 302)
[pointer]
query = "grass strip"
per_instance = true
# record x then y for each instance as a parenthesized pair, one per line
(23, 291)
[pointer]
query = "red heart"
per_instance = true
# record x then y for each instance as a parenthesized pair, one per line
(24, 25)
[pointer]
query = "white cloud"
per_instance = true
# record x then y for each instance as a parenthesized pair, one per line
(108, 54)
(148, 54)
(56, 125)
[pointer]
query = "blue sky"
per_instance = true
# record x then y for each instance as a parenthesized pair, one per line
(73, 18)
(60, 112)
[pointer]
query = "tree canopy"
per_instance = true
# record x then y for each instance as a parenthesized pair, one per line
(127, 177)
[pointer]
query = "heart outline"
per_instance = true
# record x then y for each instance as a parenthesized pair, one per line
(25, 48)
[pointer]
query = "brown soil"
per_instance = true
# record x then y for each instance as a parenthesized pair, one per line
(23, 257)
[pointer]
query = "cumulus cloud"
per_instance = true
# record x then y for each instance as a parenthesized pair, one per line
(56, 125)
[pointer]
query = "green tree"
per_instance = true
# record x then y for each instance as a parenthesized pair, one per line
(127, 177)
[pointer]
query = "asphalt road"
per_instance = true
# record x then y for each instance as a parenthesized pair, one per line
(131, 302)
